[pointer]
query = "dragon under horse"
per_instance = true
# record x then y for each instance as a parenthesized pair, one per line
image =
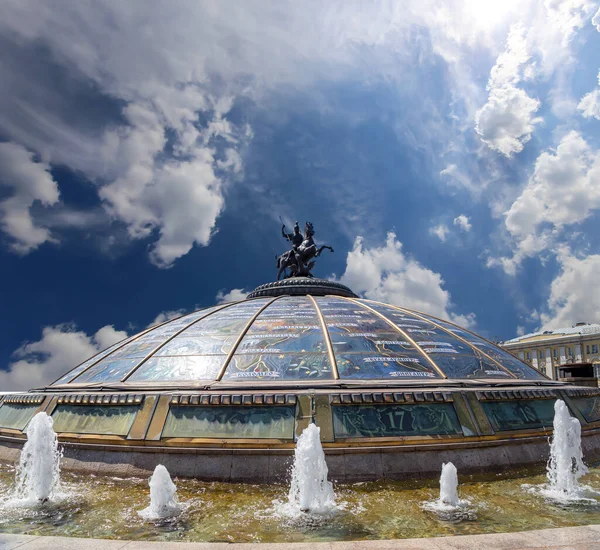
(304, 249)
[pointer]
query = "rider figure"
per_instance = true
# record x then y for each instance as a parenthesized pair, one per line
(296, 238)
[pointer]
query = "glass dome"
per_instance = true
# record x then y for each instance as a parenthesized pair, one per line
(298, 339)
(393, 391)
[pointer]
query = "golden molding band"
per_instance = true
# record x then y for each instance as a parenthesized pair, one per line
(104, 399)
(24, 399)
(582, 392)
(389, 397)
(235, 399)
(516, 394)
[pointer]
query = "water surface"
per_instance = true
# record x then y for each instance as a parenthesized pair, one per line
(106, 507)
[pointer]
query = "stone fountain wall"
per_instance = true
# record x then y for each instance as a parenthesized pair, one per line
(345, 464)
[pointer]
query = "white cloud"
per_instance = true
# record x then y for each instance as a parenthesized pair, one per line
(30, 181)
(573, 294)
(568, 15)
(556, 52)
(536, 48)
(463, 222)
(596, 20)
(455, 176)
(563, 190)
(386, 274)
(512, 62)
(440, 231)
(161, 171)
(166, 316)
(234, 295)
(60, 349)
(507, 120)
(520, 330)
(550, 34)
(180, 198)
(590, 103)
(528, 246)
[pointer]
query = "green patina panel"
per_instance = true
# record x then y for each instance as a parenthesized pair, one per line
(15, 416)
(519, 415)
(230, 422)
(589, 407)
(395, 420)
(80, 419)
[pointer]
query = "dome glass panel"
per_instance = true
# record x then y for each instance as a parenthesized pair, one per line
(508, 361)
(367, 347)
(92, 360)
(182, 368)
(222, 326)
(282, 338)
(453, 355)
(122, 360)
(110, 370)
(286, 342)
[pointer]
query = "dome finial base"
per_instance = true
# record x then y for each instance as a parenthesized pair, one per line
(302, 286)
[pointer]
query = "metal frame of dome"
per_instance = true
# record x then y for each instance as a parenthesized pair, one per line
(382, 426)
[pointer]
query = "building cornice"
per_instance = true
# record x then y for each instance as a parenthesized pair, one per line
(551, 341)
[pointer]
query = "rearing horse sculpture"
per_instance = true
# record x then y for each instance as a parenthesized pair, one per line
(298, 259)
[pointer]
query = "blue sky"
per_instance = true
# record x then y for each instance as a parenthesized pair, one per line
(449, 152)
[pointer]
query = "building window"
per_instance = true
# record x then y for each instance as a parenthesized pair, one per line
(587, 349)
(528, 355)
(555, 353)
(570, 352)
(543, 370)
(594, 348)
(540, 355)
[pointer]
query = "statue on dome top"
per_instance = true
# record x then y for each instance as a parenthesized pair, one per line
(304, 249)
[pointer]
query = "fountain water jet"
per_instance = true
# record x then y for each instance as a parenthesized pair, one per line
(38, 473)
(448, 506)
(163, 498)
(565, 466)
(449, 485)
(309, 490)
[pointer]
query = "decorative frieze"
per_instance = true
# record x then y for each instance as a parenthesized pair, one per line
(234, 399)
(582, 392)
(25, 399)
(101, 399)
(391, 397)
(505, 395)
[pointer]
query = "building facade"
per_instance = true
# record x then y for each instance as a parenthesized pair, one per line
(563, 353)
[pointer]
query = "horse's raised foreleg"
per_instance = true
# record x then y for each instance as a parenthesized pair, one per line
(323, 248)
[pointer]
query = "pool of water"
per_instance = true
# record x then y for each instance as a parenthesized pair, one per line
(106, 507)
